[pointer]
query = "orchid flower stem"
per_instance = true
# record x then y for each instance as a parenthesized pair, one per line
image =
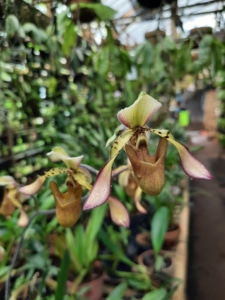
(89, 168)
(19, 245)
(95, 171)
(35, 202)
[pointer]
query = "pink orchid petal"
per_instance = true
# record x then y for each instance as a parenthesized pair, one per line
(118, 212)
(137, 199)
(191, 166)
(102, 187)
(34, 187)
(140, 112)
(23, 219)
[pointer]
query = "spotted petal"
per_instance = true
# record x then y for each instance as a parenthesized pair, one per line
(191, 166)
(118, 212)
(140, 112)
(59, 153)
(120, 142)
(117, 132)
(81, 178)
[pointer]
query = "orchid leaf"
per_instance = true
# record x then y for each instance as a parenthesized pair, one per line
(159, 225)
(159, 294)
(95, 222)
(62, 277)
(117, 292)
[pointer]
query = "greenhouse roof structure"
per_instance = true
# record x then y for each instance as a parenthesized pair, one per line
(133, 20)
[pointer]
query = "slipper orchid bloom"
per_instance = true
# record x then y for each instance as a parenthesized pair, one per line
(148, 170)
(69, 204)
(12, 199)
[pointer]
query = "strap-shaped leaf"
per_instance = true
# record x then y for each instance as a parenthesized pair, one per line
(159, 226)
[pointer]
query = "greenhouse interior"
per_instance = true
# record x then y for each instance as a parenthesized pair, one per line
(112, 149)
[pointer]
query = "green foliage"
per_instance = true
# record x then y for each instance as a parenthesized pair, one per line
(116, 245)
(163, 64)
(118, 292)
(12, 25)
(159, 225)
(209, 57)
(82, 244)
(103, 12)
(62, 277)
(160, 294)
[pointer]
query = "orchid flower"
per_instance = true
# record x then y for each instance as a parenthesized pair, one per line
(12, 199)
(69, 204)
(133, 137)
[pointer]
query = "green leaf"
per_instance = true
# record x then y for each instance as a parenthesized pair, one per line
(5, 76)
(103, 12)
(159, 294)
(69, 38)
(95, 222)
(36, 33)
(12, 25)
(114, 247)
(70, 243)
(62, 277)
(159, 226)
(118, 292)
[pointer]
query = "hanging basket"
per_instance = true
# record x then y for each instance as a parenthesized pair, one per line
(155, 36)
(84, 15)
(196, 34)
(153, 4)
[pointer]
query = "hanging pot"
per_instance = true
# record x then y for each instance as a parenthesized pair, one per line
(171, 237)
(153, 4)
(84, 15)
(196, 34)
(155, 36)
